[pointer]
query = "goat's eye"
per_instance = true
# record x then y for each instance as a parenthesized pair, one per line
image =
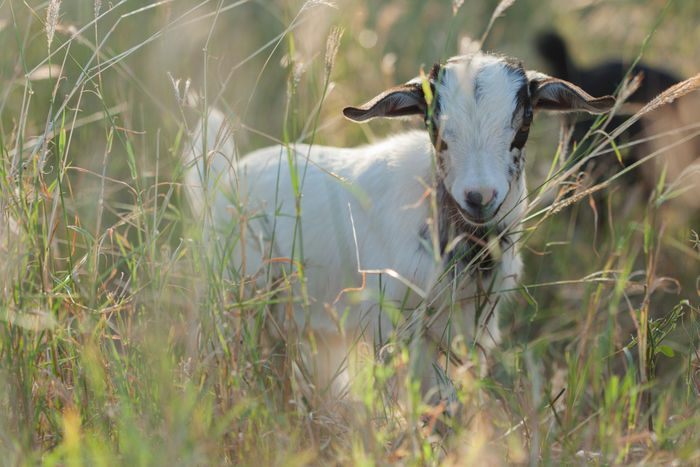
(527, 121)
(521, 135)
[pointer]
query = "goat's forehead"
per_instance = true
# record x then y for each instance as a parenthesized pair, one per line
(485, 82)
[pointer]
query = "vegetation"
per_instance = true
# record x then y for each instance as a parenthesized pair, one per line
(121, 340)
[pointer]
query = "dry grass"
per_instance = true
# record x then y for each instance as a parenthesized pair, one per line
(123, 342)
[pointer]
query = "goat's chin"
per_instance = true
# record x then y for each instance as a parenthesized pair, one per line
(477, 222)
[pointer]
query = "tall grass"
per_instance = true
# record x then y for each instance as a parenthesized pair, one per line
(125, 337)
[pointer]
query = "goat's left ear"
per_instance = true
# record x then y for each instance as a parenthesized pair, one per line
(403, 100)
(561, 96)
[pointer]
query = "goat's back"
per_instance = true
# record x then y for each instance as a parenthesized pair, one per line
(365, 201)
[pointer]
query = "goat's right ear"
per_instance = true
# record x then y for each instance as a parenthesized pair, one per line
(561, 96)
(400, 101)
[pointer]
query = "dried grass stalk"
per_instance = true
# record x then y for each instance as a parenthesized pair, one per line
(332, 45)
(500, 9)
(671, 94)
(629, 87)
(666, 97)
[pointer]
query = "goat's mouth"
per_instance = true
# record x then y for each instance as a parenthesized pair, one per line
(478, 217)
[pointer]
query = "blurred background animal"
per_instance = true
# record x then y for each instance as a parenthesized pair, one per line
(660, 130)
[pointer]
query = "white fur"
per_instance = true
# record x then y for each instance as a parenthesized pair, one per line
(479, 133)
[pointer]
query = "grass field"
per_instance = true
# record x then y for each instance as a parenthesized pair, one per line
(120, 341)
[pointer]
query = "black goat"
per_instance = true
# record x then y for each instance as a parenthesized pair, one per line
(604, 79)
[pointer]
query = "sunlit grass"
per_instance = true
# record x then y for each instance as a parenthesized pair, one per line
(125, 337)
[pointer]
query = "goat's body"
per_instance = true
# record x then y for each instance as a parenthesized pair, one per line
(379, 199)
(413, 233)
(382, 189)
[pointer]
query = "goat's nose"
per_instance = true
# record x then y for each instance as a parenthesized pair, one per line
(478, 199)
(475, 198)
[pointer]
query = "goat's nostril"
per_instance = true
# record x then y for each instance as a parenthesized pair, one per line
(475, 198)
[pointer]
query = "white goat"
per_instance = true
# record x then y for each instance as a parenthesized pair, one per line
(367, 209)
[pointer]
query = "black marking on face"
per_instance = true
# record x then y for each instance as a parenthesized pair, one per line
(515, 65)
(522, 103)
(434, 72)
(522, 113)
(434, 124)
(515, 170)
(520, 139)
(518, 161)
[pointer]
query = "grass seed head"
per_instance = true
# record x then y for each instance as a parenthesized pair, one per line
(176, 88)
(298, 70)
(52, 19)
(187, 89)
(671, 94)
(629, 87)
(313, 3)
(332, 45)
(500, 9)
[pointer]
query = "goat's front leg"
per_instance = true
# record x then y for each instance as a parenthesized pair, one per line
(447, 379)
